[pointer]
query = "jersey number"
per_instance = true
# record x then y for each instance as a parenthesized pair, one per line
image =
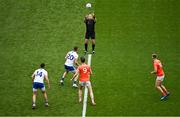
(84, 70)
(39, 74)
(71, 57)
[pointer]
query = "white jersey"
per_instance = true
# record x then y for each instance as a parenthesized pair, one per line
(39, 75)
(70, 57)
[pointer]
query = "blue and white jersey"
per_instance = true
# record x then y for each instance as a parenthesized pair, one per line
(70, 57)
(39, 75)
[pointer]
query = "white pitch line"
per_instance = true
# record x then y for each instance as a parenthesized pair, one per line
(86, 91)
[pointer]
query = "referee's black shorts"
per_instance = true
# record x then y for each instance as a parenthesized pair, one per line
(90, 35)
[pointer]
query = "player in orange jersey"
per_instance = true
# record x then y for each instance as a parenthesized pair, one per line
(158, 70)
(85, 71)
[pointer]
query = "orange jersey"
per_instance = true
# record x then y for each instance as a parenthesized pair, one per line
(84, 71)
(158, 67)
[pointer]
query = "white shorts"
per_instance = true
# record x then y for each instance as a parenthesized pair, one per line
(161, 78)
(87, 83)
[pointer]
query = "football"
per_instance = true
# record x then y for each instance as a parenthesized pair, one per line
(88, 5)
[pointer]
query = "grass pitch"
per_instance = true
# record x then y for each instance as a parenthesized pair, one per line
(127, 32)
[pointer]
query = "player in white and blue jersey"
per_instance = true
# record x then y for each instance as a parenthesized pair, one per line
(38, 83)
(71, 59)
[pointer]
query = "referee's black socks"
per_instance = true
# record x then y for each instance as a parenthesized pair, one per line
(86, 46)
(93, 47)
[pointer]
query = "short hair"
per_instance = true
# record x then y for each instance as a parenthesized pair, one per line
(42, 65)
(154, 55)
(82, 59)
(75, 48)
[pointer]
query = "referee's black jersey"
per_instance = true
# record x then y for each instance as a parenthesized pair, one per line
(90, 25)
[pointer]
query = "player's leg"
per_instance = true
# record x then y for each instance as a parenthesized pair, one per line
(75, 81)
(86, 42)
(64, 75)
(91, 93)
(158, 86)
(42, 87)
(80, 93)
(45, 98)
(35, 87)
(73, 70)
(34, 99)
(163, 87)
(93, 46)
(165, 90)
(86, 46)
(93, 42)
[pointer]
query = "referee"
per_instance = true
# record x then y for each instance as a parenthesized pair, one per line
(90, 21)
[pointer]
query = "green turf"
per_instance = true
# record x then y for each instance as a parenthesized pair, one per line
(127, 32)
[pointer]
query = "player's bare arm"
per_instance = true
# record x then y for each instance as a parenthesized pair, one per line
(33, 76)
(76, 62)
(85, 18)
(155, 71)
(76, 73)
(47, 80)
(91, 72)
(94, 16)
(66, 56)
